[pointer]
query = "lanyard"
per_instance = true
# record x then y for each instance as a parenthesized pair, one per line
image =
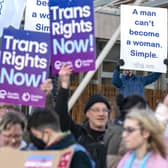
(132, 157)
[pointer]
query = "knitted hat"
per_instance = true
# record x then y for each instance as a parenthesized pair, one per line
(96, 98)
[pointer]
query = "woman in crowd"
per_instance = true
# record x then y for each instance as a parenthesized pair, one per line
(115, 147)
(143, 137)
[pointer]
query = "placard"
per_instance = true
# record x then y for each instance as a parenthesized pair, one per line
(24, 65)
(37, 16)
(72, 34)
(143, 38)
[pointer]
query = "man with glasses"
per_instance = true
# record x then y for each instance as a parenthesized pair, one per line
(97, 109)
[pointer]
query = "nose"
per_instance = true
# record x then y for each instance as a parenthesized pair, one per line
(13, 140)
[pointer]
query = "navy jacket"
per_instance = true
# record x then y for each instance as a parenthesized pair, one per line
(80, 158)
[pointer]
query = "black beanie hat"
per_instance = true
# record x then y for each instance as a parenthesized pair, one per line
(95, 99)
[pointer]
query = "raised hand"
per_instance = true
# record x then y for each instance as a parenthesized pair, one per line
(47, 86)
(64, 75)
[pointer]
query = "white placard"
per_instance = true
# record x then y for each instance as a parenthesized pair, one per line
(143, 38)
(37, 16)
(11, 13)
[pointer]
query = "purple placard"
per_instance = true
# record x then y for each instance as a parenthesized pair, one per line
(24, 65)
(72, 34)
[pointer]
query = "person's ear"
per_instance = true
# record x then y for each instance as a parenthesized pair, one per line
(146, 134)
(87, 114)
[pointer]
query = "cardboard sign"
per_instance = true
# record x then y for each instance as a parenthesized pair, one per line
(72, 34)
(24, 65)
(143, 38)
(35, 159)
(37, 16)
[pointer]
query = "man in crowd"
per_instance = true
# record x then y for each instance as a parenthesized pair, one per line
(91, 133)
(44, 124)
(129, 83)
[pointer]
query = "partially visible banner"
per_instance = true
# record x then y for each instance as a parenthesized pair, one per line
(143, 38)
(24, 65)
(11, 13)
(72, 34)
(37, 16)
(36, 159)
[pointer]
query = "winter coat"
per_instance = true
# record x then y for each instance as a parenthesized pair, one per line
(91, 140)
(134, 84)
(115, 147)
(80, 158)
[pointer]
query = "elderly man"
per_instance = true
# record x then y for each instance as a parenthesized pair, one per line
(90, 134)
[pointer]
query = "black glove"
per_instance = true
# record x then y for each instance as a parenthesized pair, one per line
(120, 63)
(165, 61)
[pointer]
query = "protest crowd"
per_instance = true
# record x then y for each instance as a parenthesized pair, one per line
(36, 71)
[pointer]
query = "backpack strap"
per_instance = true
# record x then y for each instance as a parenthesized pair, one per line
(77, 147)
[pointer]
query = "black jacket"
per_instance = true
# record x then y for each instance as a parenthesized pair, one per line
(90, 139)
(79, 160)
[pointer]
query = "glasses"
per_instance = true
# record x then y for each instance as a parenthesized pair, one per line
(12, 136)
(130, 130)
(98, 110)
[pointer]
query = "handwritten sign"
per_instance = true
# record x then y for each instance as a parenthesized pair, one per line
(72, 34)
(24, 65)
(143, 38)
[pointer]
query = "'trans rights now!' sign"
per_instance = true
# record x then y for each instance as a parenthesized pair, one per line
(143, 38)
(72, 34)
(24, 65)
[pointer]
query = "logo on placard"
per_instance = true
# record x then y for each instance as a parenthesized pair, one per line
(39, 161)
(65, 159)
(57, 65)
(3, 93)
(26, 96)
(78, 63)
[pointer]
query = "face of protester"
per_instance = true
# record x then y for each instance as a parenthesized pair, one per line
(128, 72)
(134, 136)
(12, 136)
(97, 115)
(41, 135)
